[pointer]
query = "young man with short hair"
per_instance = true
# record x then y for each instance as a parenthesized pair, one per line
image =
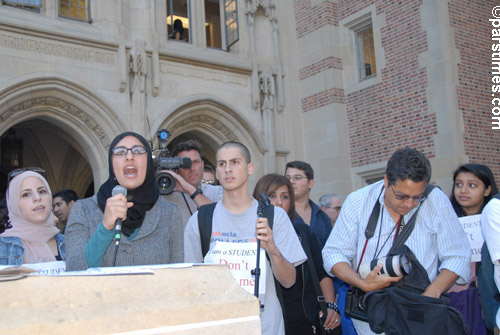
(235, 220)
(62, 201)
(301, 175)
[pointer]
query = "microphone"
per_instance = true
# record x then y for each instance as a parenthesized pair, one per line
(118, 189)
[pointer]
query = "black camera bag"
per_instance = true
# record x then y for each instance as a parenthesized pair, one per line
(402, 309)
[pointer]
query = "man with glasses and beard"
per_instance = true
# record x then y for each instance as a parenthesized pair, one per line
(437, 240)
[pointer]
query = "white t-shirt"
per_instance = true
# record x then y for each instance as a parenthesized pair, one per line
(490, 226)
(229, 227)
(187, 205)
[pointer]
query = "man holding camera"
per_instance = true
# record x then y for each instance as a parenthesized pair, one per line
(437, 240)
(189, 192)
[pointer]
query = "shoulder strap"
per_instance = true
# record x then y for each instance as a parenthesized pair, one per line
(205, 215)
(315, 279)
(372, 222)
(370, 228)
(401, 239)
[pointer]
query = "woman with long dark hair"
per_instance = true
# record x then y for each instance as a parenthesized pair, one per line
(473, 186)
(152, 228)
(301, 307)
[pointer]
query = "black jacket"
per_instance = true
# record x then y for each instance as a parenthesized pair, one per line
(309, 297)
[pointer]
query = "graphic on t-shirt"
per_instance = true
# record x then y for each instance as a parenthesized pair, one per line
(229, 236)
(240, 259)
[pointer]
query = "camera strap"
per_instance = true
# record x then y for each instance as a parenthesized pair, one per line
(372, 224)
(403, 236)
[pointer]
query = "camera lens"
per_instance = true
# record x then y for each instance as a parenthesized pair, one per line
(393, 266)
(165, 182)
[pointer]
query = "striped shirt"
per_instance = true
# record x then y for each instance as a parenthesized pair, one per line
(437, 240)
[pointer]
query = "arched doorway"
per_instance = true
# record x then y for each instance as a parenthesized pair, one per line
(50, 147)
(65, 129)
(212, 123)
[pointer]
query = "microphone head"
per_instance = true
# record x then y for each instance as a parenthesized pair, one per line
(118, 189)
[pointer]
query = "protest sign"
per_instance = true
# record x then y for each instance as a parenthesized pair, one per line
(472, 228)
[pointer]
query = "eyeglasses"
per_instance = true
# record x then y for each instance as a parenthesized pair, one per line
(404, 197)
(122, 151)
(210, 182)
(18, 171)
(296, 177)
(336, 208)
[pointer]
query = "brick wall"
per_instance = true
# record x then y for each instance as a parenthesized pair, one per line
(394, 113)
(310, 18)
(472, 30)
(390, 115)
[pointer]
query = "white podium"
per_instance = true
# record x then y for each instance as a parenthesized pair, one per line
(194, 300)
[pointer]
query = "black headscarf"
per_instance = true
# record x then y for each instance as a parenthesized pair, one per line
(144, 197)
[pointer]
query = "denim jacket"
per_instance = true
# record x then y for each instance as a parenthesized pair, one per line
(12, 249)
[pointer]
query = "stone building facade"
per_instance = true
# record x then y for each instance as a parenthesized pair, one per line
(290, 88)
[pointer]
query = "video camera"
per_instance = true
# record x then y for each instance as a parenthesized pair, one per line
(165, 181)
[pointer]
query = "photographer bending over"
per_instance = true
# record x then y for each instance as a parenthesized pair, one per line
(437, 240)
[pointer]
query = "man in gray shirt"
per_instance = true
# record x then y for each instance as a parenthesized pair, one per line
(235, 220)
(190, 193)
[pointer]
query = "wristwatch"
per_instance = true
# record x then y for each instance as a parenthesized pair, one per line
(332, 305)
(195, 193)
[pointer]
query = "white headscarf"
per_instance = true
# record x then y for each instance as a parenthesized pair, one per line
(35, 236)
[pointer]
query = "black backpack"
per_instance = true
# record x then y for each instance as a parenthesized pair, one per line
(205, 215)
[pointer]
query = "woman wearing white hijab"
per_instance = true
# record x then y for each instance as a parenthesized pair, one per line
(33, 237)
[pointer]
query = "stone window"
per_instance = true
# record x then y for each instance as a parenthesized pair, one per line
(74, 9)
(361, 50)
(213, 25)
(231, 18)
(33, 5)
(366, 52)
(178, 11)
(210, 23)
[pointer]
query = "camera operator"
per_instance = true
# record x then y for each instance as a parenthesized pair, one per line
(189, 192)
(437, 240)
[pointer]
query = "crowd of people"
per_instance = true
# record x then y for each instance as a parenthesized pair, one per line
(313, 252)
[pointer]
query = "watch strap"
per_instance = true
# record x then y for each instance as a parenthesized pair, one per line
(195, 193)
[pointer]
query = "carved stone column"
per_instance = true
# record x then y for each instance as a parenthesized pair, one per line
(138, 72)
(268, 94)
(250, 12)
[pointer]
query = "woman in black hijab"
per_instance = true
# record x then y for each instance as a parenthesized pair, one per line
(152, 229)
